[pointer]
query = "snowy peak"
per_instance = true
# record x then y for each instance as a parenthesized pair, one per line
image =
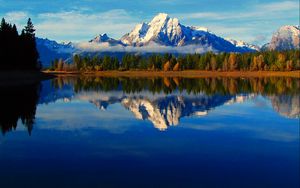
(104, 38)
(162, 30)
(285, 38)
(53, 45)
(242, 44)
(135, 35)
(50, 50)
(160, 19)
(167, 31)
(101, 38)
(289, 30)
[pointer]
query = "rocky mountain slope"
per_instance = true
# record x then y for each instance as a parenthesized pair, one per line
(167, 31)
(285, 38)
(50, 50)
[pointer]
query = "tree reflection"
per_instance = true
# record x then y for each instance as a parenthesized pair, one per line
(18, 103)
(209, 86)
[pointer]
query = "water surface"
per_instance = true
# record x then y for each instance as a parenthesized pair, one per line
(156, 132)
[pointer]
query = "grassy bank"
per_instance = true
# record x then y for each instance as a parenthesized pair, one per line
(23, 77)
(187, 73)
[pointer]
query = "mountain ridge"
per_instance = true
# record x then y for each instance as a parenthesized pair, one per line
(164, 34)
(286, 37)
(163, 30)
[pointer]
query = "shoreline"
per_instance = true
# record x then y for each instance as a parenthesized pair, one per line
(30, 77)
(18, 77)
(186, 73)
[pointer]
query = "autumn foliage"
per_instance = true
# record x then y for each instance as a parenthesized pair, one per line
(259, 61)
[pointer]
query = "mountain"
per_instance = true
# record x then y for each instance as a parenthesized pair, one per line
(285, 38)
(163, 34)
(167, 31)
(50, 50)
(244, 45)
(103, 38)
(162, 30)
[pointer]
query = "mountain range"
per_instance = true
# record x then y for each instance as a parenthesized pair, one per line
(165, 34)
(50, 50)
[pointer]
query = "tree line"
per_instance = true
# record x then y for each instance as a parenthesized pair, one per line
(258, 61)
(18, 51)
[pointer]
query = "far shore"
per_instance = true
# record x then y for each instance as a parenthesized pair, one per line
(29, 77)
(186, 73)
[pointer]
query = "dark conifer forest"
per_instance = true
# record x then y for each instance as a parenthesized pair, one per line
(18, 51)
(254, 61)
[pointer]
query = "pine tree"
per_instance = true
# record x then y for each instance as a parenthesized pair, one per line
(30, 54)
(29, 28)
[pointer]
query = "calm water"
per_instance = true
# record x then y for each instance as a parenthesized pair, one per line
(170, 132)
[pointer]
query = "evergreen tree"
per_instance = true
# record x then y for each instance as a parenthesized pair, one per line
(284, 61)
(18, 52)
(29, 28)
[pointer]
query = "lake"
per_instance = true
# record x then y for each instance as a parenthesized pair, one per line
(150, 132)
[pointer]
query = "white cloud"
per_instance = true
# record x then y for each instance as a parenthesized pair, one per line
(150, 48)
(80, 25)
(280, 6)
(17, 17)
(268, 10)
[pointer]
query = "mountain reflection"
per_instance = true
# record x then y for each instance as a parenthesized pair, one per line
(286, 105)
(162, 101)
(166, 111)
(18, 103)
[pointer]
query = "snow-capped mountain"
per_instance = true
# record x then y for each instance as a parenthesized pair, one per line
(50, 50)
(167, 31)
(162, 29)
(103, 38)
(285, 38)
(164, 34)
(242, 44)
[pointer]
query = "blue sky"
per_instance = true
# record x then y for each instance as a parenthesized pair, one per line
(72, 20)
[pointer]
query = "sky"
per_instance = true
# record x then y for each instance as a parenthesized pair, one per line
(252, 21)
